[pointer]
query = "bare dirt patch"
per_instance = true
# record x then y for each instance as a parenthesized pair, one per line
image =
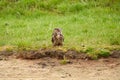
(50, 69)
(46, 66)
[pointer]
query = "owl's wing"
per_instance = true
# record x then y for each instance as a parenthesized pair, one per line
(52, 39)
(62, 37)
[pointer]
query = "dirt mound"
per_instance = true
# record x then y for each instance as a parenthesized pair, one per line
(52, 53)
(5, 54)
(59, 54)
(115, 54)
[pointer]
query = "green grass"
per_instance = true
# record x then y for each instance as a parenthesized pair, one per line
(29, 23)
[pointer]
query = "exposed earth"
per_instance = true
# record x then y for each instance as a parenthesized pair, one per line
(51, 69)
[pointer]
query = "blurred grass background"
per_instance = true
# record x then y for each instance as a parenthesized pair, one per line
(85, 23)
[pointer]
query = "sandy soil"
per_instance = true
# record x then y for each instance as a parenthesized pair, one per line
(51, 69)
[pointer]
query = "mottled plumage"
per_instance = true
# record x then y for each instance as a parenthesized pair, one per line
(57, 37)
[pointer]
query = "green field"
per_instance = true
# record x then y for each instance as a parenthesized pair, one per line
(88, 23)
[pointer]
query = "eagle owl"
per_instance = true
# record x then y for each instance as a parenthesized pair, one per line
(57, 37)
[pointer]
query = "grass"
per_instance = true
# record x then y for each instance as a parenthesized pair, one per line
(29, 23)
(64, 61)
